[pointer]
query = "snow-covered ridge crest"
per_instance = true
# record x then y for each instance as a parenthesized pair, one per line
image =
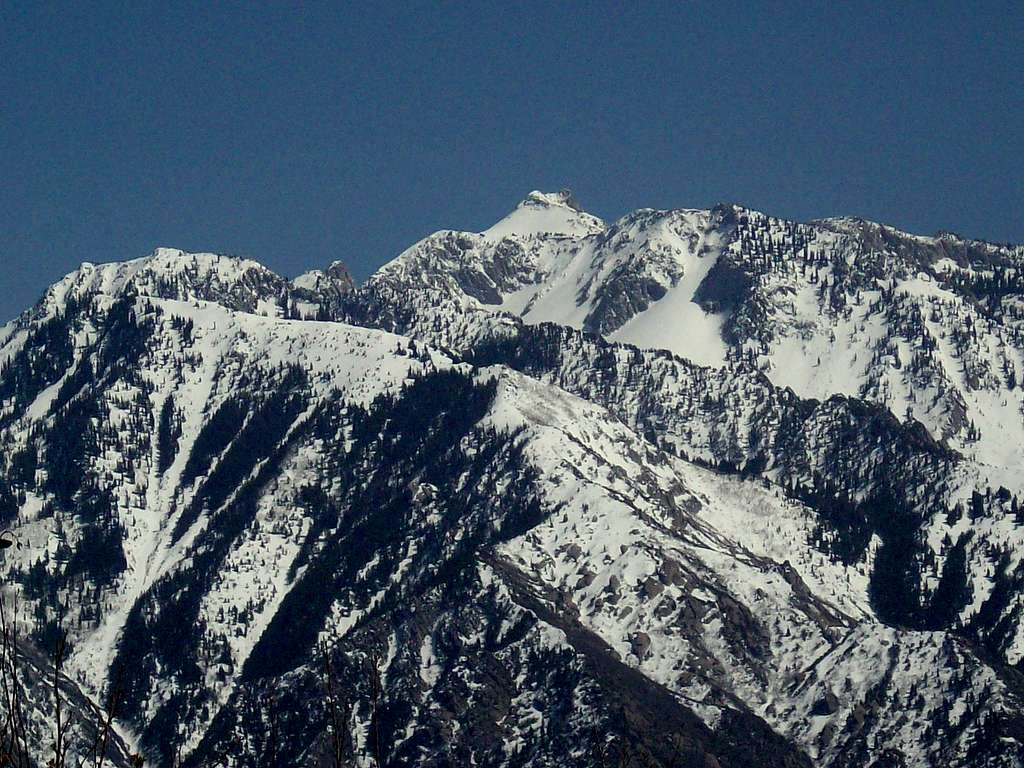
(856, 225)
(234, 282)
(170, 273)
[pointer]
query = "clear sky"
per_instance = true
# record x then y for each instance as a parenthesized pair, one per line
(302, 135)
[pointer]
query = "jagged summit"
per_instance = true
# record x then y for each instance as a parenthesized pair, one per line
(562, 197)
(552, 213)
(336, 277)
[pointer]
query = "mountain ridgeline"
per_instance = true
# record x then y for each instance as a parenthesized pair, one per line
(690, 488)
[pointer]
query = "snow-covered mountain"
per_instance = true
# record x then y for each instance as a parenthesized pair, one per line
(557, 493)
(928, 326)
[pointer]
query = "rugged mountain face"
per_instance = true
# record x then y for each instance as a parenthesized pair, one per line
(318, 294)
(223, 494)
(929, 327)
(304, 523)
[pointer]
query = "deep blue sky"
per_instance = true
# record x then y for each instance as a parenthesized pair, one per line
(302, 136)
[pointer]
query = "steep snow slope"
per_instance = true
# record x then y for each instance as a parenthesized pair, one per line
(677, 321)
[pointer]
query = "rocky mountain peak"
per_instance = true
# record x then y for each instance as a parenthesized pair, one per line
(546, 213)
(336, 278)
(563, 197)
